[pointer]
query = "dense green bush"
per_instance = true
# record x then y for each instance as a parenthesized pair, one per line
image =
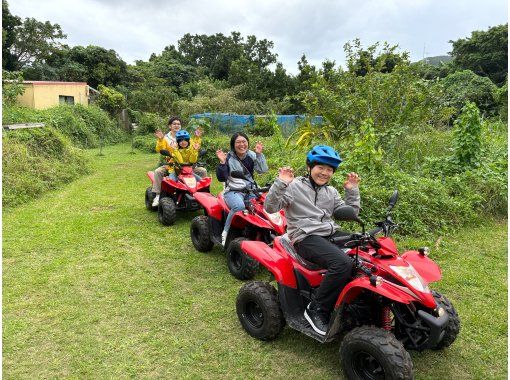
(215, 97)
(465, 86)
(85, 126)
(147, 122)
(35, 161)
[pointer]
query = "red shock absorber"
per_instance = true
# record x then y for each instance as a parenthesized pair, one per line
(386, 318)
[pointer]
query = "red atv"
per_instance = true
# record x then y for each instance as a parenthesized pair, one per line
(177, 195)
(385, 310)
(253, 224)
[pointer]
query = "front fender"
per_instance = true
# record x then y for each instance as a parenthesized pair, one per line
(278, 264)
(385, 289)
(240, 220)
(426, 267)
(204, 183)
(210, 204)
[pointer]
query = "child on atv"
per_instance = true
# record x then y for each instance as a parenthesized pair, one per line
(184, 152)
(168, 142)
(310, 205)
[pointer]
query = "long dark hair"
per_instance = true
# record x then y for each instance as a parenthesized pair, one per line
(233, 140)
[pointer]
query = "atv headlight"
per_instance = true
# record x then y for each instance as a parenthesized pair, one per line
(275, 217)
(412, 277)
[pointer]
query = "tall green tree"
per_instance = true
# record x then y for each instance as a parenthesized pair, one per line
(216, 53)
(485, 53)
(9, 24)
(33, 41)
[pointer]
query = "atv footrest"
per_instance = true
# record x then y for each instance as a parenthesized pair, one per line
(302, 325)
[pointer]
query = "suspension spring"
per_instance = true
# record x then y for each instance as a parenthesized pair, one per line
(386, 318)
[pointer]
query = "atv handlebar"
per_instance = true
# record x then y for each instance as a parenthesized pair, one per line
(257, 191)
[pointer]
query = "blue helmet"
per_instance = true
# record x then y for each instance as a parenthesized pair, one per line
(182, 135)
(323, 154)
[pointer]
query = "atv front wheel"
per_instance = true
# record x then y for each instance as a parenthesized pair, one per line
(166, 211)
(259, 311)
(369, 352)
(453, 327)
(149, 198)
(240, 265)
(200, 233)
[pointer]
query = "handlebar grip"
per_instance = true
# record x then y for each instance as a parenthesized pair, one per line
(375, 231)
(340, 239)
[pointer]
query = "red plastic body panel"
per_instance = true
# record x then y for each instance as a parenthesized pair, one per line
(210, 204)
(258, 219)
(353, 288)
(313, 277)
(240, 221)
(280, 264)
(388, 247)
(151, 176)
(427, 268)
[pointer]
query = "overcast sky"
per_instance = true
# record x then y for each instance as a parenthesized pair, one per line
(318, 28)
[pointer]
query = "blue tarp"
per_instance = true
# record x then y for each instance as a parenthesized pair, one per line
(229, 123)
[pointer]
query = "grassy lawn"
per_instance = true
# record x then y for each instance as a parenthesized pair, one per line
(95, 287)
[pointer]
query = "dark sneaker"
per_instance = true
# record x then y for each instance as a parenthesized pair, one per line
(317, 318)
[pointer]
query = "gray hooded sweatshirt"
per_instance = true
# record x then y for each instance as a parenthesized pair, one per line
(309, 211)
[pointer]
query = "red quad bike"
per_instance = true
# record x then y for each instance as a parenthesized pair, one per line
(386, 309)
(177, 195)
(254, 223)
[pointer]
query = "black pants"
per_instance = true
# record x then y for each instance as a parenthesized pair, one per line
(319, 250)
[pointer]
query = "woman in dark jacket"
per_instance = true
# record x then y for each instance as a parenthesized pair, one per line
(239, 158)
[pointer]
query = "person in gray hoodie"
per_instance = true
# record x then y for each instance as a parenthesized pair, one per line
(310, 205)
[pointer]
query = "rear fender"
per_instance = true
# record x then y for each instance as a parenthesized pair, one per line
(426, 267)
(210, 204)
(385, 289)
(278, 263)
(151, 176)
(240, 220)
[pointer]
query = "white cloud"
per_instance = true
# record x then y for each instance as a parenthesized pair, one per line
(136, 29)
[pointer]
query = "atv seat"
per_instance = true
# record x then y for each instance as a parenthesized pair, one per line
(289, 248)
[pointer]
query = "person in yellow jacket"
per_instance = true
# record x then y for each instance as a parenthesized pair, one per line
(184, 151)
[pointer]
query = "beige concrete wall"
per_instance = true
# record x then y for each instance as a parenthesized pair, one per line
(47, 95)
(27, 99)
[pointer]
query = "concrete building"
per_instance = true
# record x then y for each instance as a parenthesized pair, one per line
(45, 94)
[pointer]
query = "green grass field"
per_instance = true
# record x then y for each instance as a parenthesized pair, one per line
(95, 287)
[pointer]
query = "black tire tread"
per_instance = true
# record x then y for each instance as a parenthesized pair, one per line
(202, 242)
(149, 198)
(453, 326)
(249, 266)
(400, 363)
(166, 211)
(265, 294)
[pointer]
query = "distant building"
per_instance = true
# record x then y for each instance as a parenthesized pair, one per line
(45, 94)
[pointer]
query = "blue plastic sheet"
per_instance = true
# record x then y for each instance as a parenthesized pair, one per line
(230, 123)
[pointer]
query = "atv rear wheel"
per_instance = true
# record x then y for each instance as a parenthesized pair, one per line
(149, 198)
(200, 233)
(166, 211)
(240, 265)
(453, 327)
(369, 352)
(259, 311)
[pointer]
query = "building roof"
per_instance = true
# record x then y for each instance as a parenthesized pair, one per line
(44, 82)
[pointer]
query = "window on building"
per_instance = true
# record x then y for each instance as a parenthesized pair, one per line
(63, 99)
